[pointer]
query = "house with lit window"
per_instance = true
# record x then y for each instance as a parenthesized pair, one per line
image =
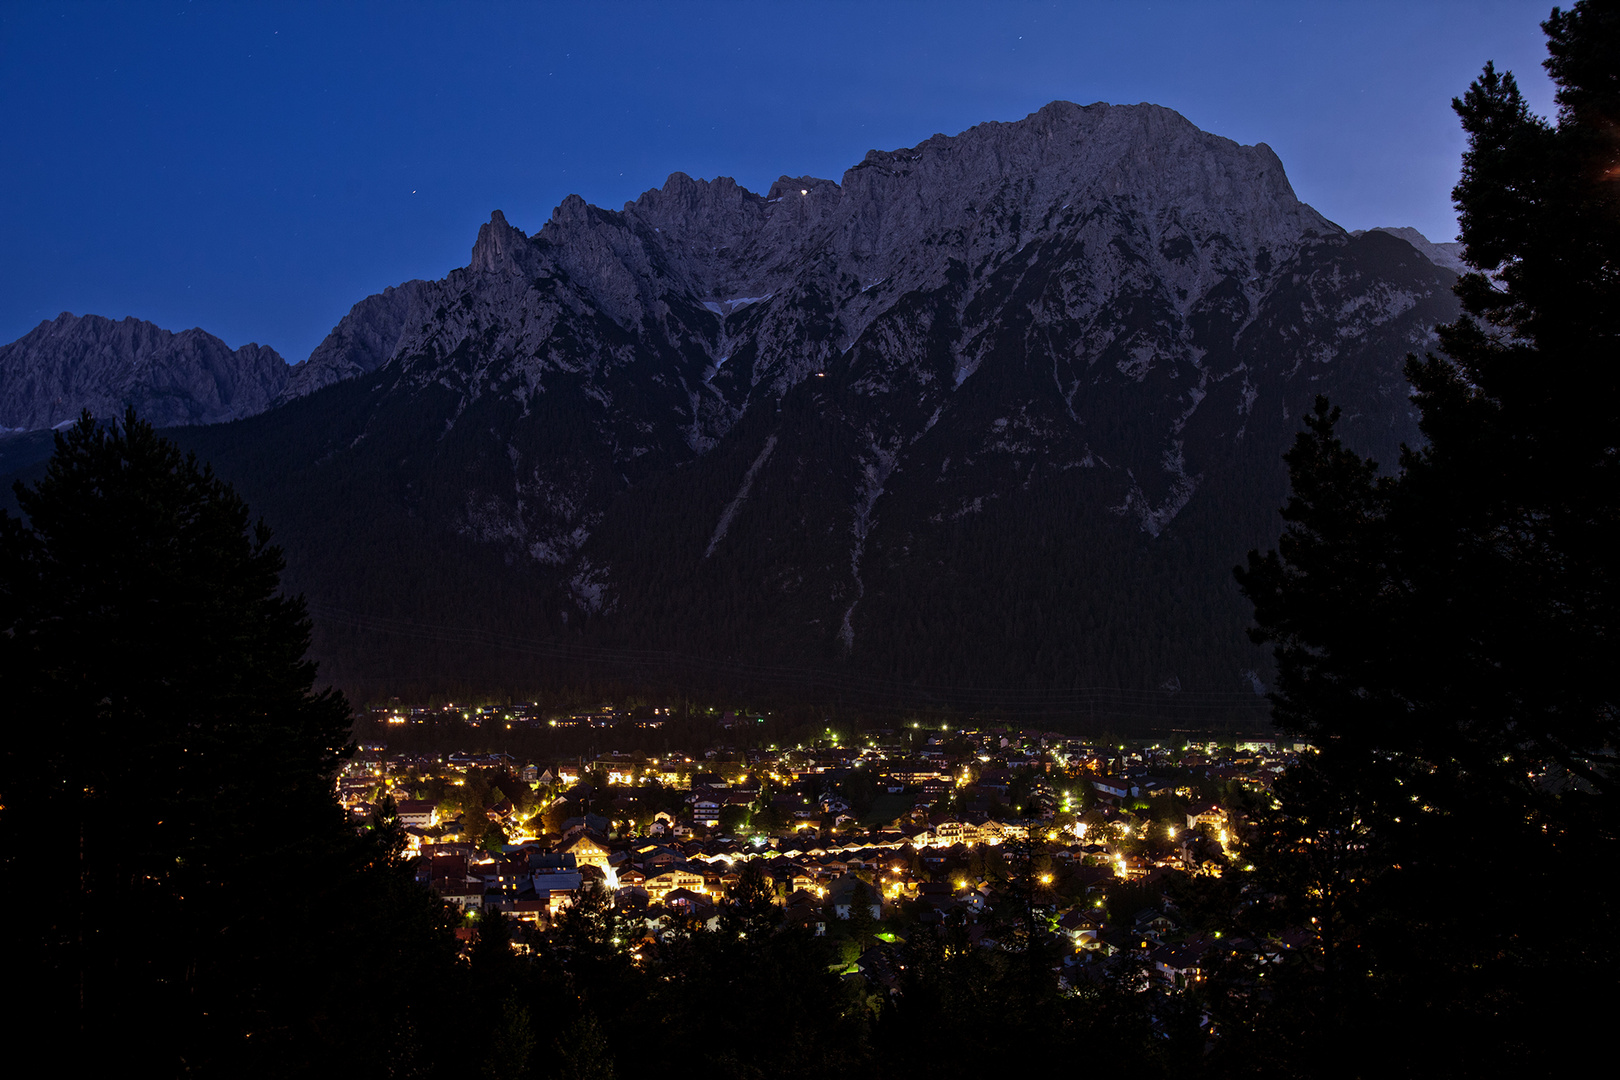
(706, 810)
(667, 880)
(587, 850)
(417, 813)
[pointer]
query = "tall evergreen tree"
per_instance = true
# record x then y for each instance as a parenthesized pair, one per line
(1446, 635)
(167, 774)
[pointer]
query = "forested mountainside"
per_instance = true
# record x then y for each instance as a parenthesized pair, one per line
(991, 418)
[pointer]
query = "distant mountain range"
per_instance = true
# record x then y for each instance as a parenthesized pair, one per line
(76, 362)
(984, 424)
(71, 363)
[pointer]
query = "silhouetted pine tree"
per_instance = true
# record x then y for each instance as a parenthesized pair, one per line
(1445, 635)
(183, 888)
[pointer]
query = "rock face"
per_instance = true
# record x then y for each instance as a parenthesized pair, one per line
(1448, 255)
(990, 419)
(361, 343)
(72, 363)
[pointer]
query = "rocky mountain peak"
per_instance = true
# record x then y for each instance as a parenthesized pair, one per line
(573, 210)
(498, 246)
(683, 201)
(1143, 156)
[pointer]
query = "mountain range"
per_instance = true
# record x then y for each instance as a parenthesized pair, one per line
(984, 425)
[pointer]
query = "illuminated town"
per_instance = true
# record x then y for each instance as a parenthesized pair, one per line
(989, 828)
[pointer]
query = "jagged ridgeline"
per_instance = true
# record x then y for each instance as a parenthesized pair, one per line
(985, 424)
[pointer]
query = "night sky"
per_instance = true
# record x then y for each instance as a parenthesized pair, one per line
(255, 170)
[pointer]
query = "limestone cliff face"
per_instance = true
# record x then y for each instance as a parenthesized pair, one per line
(1133, 196)
(72, 363)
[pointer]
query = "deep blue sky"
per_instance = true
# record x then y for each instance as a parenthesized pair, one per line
(255, 170)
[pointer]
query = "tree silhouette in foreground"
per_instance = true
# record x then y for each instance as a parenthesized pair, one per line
(194, 893)
(1445, 634)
